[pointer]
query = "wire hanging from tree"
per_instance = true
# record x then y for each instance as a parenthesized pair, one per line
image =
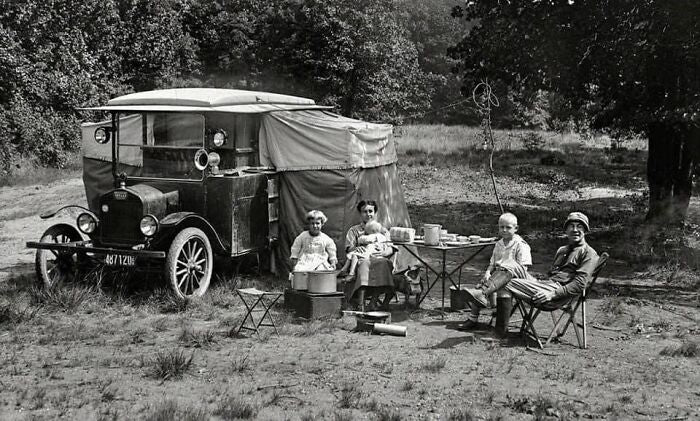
(484, 98)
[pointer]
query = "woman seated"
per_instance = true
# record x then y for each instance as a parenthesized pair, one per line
(371, 243)
(312, 249)
(373, 274)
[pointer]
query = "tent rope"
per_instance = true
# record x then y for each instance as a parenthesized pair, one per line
(484, 98)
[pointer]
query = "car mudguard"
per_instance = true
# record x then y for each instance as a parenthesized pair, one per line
(51, 213)
(173, 223)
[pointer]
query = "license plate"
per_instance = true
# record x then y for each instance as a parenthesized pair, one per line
(120, 260)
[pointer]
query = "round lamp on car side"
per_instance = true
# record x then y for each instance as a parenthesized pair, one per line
(149, 225)
(87, 222)
(102, 135)
(220, 138)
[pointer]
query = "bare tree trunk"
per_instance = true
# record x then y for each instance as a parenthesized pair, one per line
(672, 153)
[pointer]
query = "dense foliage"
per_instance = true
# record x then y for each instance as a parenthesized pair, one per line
(371, 59)
(623, 65)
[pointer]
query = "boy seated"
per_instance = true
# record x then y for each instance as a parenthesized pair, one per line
(371, 242)
(569, 275)
(511, 256)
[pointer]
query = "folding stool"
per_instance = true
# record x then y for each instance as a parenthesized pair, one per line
(257, 301)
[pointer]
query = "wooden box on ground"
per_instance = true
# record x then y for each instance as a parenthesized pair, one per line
(313, 306)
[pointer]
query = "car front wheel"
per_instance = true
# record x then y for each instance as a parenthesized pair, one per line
(188, 266)
(57, 267)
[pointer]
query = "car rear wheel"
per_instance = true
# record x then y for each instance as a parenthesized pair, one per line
(188, 265)
(57, 267)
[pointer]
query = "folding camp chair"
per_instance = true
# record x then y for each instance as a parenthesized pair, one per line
(568, 315)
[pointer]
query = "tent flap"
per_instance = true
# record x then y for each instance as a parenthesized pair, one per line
(307, 140)
(336, 193)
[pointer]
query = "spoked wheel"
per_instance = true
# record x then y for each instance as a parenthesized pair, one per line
(57, 267)
(189, 263)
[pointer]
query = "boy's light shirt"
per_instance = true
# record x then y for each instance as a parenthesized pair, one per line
(517, 250)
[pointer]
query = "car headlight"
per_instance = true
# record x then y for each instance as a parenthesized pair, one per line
(102, 135)
(220, 138)
(149, 225)
(214, 159)
(87, 222)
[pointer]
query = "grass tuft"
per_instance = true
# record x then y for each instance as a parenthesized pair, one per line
(232, 407)
(462, 414)
(197, 339)
(13, 314)
(435, 366)
(170, 365)
(316, 327)
(387, 414)
(540, 407)
(241, 364)
(350, 396)
(687, 349)
(171, 410)
(67, 299)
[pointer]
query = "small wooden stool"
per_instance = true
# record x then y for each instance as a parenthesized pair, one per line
(257, 301)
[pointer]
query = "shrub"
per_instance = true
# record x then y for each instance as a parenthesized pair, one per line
(532, 141)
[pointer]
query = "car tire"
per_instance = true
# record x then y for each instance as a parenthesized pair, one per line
(57, 267)
(189, 263)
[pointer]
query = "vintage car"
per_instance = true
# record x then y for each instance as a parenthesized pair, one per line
(177, 177)
(185, 185)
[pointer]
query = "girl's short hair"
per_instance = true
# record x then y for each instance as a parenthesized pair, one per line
(508, 217)
(364, 203)
(316, 214)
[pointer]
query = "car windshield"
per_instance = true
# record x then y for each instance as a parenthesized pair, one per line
(163, 144)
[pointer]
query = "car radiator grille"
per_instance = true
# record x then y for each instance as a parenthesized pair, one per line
(120, 225)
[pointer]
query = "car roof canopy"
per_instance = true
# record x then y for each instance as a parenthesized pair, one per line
(208, 99)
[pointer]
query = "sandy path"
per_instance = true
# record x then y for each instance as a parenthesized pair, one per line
(19, 218)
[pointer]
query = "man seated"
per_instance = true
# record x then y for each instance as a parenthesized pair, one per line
(570, 272)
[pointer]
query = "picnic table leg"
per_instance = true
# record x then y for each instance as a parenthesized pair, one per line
(443, 275)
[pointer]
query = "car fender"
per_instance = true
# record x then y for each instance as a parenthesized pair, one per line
(68, 227)
(173, 223)
(51, 213)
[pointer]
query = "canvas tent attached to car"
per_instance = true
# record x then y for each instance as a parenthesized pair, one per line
(324, 161)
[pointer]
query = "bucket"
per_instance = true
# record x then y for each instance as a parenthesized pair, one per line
(431, 234)
(322, 281)
(300, 281)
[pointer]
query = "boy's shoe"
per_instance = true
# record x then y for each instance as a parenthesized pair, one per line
(468, 325)
(478, 296)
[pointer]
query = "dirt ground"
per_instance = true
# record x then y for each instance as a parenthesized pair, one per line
(111, 353)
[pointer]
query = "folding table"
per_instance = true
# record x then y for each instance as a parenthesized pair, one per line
(257, 301)
(441, 273)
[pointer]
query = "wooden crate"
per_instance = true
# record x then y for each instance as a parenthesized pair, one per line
(313, 306)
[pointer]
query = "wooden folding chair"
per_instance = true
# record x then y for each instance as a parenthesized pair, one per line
(568, 315)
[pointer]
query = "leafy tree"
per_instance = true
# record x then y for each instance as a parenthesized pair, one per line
(432, 29)
(627, 65)
(154, 48)
(352, 54)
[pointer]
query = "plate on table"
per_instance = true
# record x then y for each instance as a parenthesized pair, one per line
(457, 243)
(488, 240)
